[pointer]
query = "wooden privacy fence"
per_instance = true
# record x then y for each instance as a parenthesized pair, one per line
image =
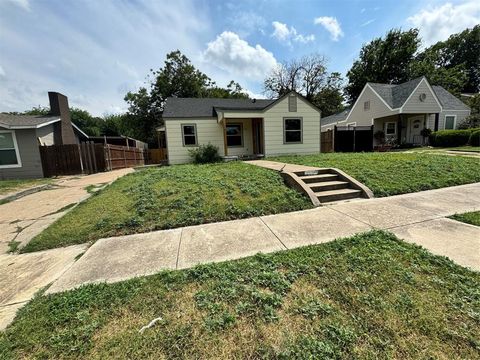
(88, 158)
(156, 156)
(353, 138)
(326, 141)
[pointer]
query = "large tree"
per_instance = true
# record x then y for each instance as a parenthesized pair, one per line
(383, 60)
(307, 76)
(178, 77)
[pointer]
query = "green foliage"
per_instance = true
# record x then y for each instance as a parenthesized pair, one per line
(171, 197)
(205, 154)
(474, 139)
(450, 138)
(178, 77)
(353, 298)
(472, 218)
(383, 60)
(389, 174)
(329, 98)
(473, 120)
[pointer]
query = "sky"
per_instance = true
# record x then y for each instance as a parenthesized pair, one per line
(95, 51)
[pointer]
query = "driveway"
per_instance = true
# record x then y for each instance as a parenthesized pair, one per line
(24, 218)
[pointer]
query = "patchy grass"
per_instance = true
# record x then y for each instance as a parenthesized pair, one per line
(369, 296)
(170, 197)
(396, 173)
(472, 218)
(7, 186)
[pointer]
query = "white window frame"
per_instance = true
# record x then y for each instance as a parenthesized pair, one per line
(17, 153)
(454, 122)
(195, 134)
(285, 142)
(241, 135)
(386, 127)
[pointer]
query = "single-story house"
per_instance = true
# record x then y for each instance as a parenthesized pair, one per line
(21, 136)
(402, 111)
(241, 127)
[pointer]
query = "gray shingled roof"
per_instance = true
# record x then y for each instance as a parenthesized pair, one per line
(333, 119)
(205, 107)
(11, 121)
(396, 95)
(448, 101)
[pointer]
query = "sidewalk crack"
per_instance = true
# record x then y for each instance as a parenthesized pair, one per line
(268, 227)
(178, 250)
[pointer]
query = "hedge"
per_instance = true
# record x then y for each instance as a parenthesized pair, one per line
(451, 138)
(474, 138)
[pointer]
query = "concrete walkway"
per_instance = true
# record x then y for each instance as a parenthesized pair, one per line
(24, 218)
(417, 218)
(21, 276)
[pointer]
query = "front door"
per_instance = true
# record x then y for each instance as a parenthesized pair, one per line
(416, 126)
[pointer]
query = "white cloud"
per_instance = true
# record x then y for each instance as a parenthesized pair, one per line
(436, 24)
(330, 24)
(362, 10)
(229, 52)
(24, 4)
(367, 22)
(246, 23)
(283, 33)
(2, 72)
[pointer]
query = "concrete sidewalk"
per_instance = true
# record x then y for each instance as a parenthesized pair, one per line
(418, 218)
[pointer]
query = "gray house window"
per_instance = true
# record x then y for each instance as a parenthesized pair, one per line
(450, 122)
(9, 156)
(292, 129)
(292, 103)
(189, 134)
(366, 105)
(234, 135)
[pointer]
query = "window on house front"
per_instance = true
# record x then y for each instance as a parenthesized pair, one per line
(366, 105)
(390, 128)
(8, 150)
(450, 122)
(292, 131)
(234, 135)
(189, 135)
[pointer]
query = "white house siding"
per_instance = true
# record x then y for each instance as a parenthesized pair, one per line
(414, 106)
(208, 131)
(247, 147)
(45, 135)
(29, 156)
(273, 125)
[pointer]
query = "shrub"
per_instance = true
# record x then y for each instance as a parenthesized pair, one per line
(474, 138)
(450, 138)
(205, 154)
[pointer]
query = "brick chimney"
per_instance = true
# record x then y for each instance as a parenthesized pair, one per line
(59, 107)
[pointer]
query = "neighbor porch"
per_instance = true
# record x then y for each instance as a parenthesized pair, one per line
(404, 128)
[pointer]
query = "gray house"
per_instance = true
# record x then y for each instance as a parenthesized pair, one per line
(402, 111)
(21, 135)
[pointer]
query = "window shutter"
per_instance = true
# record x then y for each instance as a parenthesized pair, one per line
(292, 103)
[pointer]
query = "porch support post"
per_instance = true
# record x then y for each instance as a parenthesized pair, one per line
(225, 147)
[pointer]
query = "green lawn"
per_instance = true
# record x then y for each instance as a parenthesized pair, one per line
(7, 186)
(396, 173)
(171, 197)
(472, 218)
(370, 296)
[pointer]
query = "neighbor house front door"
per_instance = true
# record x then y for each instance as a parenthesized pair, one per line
(416, 124)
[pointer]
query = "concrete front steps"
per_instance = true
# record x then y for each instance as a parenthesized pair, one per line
(327, 185)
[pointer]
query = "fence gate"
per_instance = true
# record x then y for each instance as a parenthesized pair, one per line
(326, 141)
(353, 138)
(60, 160)
(118, 157)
